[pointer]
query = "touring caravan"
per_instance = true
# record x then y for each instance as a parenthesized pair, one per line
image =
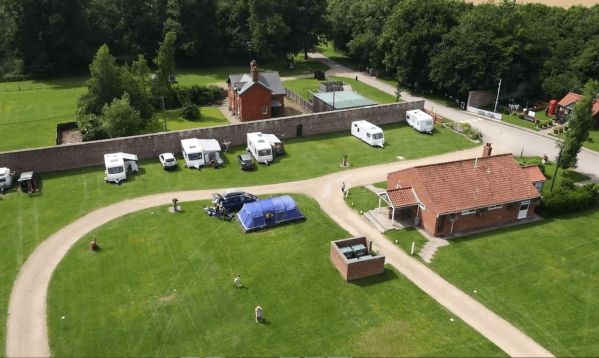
(420, 121)
(5, 179)
(275, 143)
(259, 147)
(118, 165)
(368, 132)
(200, 152)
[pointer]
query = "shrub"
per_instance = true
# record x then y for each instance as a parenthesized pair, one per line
(555, 130)
(190, 111)
(199, 95)
(561, 129)
(569, 199)
(565, 127)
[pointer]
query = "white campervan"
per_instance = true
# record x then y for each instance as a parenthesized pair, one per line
(5, 179)
(200, 152)
(420, 121)
(368, 132)
(259, 147)
(118, 164)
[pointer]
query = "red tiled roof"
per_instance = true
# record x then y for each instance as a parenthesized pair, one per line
(459, 185)
(534, 173)
(570, 98)
(402, 197)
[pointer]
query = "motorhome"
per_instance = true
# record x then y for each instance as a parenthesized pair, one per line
(5, 179)
(118, 165)
(259, 147)
(199, 152)
(420, 121)
(368, 132)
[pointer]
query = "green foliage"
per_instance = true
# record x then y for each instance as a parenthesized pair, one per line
(120, 118)
(190, 111)
(465, 129)
(580, 123)
(570, 199)
(199, 95)
(90, 126)
(104, 84)
(165, 63)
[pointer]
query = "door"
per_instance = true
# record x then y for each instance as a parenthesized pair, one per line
(523, 212)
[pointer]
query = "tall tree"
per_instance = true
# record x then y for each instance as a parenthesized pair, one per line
(233, 23)
(579, 124)
(119, 118)
(268, 30)
(307, 21)
(165, 63)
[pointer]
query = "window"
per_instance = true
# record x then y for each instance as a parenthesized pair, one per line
(368, 135)
(377, 136)
(194, 156)
(263, 152)
(115, 170)
(264, 109)
(495, 207)
(468, 211)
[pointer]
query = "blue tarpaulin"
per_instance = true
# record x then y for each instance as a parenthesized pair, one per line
(268, 212)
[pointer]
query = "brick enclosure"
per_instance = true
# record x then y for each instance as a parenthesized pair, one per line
(85, 154)
(354, 269)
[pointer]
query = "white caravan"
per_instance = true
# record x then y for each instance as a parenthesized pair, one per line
(118, 165)
(200, 152)
(420, 121)
(275, 143)
(5, 179)
(259, 147)
(368, 132)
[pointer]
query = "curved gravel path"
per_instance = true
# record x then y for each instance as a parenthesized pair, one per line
(27, 332)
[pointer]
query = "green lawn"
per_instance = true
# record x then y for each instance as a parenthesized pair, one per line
(28, 221)
(542, 277)
(165, 289)
(337, 55)
(550, 172)
(30, 110)
(362, 199)
(405, 237)
(513, 119)
(210, 116)
(591, 143)
(303, 85)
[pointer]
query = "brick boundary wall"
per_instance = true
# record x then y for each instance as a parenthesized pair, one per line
(79, 155)
(355, 269)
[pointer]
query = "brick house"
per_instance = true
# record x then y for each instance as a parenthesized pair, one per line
(566, 105)
(256, 95)
(464, 195)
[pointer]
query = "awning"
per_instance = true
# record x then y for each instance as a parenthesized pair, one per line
(402, 197)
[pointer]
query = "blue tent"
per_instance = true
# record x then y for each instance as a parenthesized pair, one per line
(268, 212)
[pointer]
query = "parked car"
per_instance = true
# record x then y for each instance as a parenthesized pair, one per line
(232, 199)
(168, 161)
(246, 162)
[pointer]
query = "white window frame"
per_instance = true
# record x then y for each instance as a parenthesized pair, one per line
(264, 109)
(495, 207)
(468, 212)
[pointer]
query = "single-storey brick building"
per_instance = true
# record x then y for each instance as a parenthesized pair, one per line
(465, 195)
(256, 95)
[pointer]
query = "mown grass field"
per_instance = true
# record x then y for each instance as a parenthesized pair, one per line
(30, 110)
(68, 195)
(166, 289)
(541, 277)
(303, 85)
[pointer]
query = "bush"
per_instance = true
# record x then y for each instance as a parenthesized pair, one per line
(555, 130)
(199, 95)
(190, 111)
(90, 126)
(570, 199)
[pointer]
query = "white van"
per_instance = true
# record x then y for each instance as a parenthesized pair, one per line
(199, 152)
(368, 132)
(259, 147)
(118, 165)
(5, 179)
(420, 121)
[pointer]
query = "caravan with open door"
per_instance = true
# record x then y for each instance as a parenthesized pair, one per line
(118, 165)
(259, 147)
(420, 121)
(199, 152)
(368, 132)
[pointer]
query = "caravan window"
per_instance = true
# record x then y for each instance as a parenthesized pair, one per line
(194, 156)
(368, 135)
(377, 136)
(2, 180)
(263, 152)
(115, 170)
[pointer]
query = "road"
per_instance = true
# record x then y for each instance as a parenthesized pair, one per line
(504, 137)
(27, 333)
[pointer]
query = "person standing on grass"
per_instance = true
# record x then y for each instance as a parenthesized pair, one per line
(237, 281)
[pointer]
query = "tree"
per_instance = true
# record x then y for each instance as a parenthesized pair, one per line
(579, 124)
(139, 92)
(268, 30)
(120, 118)
(307, 21)
(165, 62)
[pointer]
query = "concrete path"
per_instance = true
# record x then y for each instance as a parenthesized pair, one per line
(27, 334)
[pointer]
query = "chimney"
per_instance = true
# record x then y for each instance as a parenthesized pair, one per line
(254, 70)
(487, 150)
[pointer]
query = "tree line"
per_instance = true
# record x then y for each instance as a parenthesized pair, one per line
(454, 47)
(54, 37)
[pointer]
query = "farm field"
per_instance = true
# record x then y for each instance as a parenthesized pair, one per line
(30, 110)
(28, 221)
(541, 277)
(166, 288)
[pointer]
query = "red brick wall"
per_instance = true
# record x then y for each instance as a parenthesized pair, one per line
(252, 101)
(356, 269)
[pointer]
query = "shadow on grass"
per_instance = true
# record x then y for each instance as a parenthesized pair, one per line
(387, 275)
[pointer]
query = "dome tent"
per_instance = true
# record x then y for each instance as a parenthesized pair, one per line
(268, 212)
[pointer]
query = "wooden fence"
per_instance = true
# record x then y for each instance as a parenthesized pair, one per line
(299, 100)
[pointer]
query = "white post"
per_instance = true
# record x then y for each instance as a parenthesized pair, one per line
(497, 99)
(413, 248)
